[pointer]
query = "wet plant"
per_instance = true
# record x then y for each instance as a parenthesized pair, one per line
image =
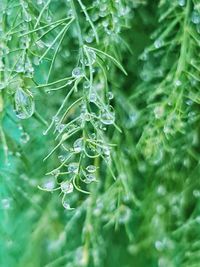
(99, 135)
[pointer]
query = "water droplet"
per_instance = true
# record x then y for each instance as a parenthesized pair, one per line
(161, 190)
(181, 2)
(27, 17)
(66, 205)
(24, 104)
(73, 167)
(189, 102)
(18, 154)
(177, 83)
(55, 119)
(144, 56)
(91, 168)
(77, 72)
(24, 138)
(158, 112)
(5, 203)
(93, 97)
(195, 17)
(198, 28)
(49, 185)
(67, 187)
(89, 39)
(23, 4)
(89, 178)
(110, 95)
(60, 127)
(107, 117)
(132, 119)
(159, 245)
(167, 129)
(124, 215)
(86, 85)
(158, 43)
(19, 67)
(157, 157)
(95, 16)
(106, 151)
(78, 145)
(36, 61)
(91, 57)
(62, 158)
(196, 193)
(86, 116)
(198, 219)
(39, 2)
(80, 257)
(93, 136)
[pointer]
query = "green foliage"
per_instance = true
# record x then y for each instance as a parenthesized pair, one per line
(99, 133)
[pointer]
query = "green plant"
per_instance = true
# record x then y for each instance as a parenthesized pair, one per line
(99, 111)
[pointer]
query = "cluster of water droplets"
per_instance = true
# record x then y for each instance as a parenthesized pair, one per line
(105, 20)
(81, 131)
(90, 174)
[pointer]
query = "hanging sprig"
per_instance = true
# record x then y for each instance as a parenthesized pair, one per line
(92, 110)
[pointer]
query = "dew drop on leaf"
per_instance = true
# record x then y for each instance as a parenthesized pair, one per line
(107, 118)
(73, 167)
(89, 178)
(39, 2)
(93, 97)
(124, 215)
(62, 158)
(110, 95)
(77, 72)
(89, 39)
(24, 138)
(49, 185)
(66, 205)
(158, 43)
(78, 145)
(91, 57)
(60, 127)
(195, 17)
(181, 2)
(86, 85)
(67, 187)
(177, 83)
(158, 112)
(91, 168)
(24, 104)
(5, 203)
(196, 193)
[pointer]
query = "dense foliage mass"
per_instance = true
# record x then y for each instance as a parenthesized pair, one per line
(99, 133)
